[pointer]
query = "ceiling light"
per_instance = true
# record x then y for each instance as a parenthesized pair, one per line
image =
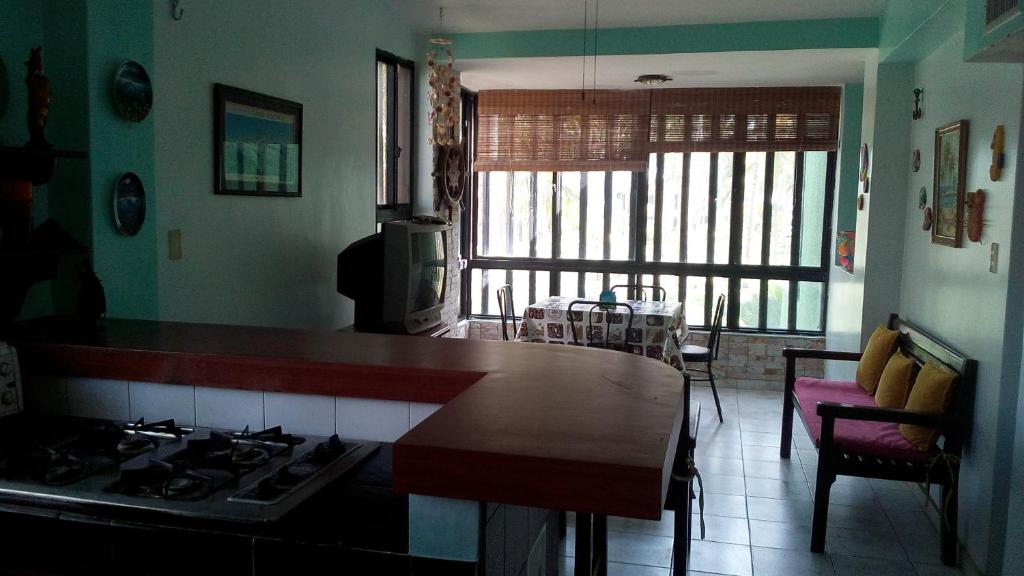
(652, 79)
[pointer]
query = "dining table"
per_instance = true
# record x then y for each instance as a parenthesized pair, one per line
(657, 330)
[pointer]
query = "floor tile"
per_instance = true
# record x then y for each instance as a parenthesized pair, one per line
(723, 484)
(856, 566)
(761, 438)
(788, 471)
(718, 558)
(878, 542)
(936, 570)
(860, 495)
(663, 527)
(764, 454)
(907, 521)
(921, 546)
(780, 489)
(722, 529)
(774, 562)
(724, 505)
(792, 511)
(857, 517)
(639, 549)
(784, 535)
(618, 569)
(730, 466)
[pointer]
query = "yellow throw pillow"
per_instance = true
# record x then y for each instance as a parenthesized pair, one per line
(931, 394)
(880, 347)
(894, 384)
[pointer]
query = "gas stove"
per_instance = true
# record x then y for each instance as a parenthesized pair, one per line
(119, 469)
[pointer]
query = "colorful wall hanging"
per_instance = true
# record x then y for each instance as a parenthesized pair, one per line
(844, 249)
(995, 172)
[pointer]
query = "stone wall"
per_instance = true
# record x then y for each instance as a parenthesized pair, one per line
(750, 361)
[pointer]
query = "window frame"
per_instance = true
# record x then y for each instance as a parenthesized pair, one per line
(636, 265)
(393, 210)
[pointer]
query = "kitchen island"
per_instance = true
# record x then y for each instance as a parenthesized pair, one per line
(551, 427)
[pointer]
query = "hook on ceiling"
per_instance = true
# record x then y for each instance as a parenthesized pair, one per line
(176, 11)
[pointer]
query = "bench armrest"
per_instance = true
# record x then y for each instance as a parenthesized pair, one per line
(836, 410)
(820, 354)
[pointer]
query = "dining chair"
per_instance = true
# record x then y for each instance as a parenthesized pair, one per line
(660, 294)
(707, 354)
(507, 310)
(605, 340)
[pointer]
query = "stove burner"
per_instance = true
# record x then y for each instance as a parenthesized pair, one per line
(275, 434)
(238, 453)
(277, 485)
(169, 481)
(158, 428)
(57, 467)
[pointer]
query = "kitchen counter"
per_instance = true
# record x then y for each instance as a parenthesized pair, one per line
(527, 424)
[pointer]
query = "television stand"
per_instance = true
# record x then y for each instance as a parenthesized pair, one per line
(442, 330)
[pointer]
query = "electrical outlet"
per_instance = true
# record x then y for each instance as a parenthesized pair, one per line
(993, 258)
(174, 244)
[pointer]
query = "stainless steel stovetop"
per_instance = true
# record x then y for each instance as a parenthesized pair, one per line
(118, 468)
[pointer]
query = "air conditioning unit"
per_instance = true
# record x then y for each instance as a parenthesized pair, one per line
(998, 11)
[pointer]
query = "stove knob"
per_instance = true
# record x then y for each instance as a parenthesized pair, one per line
(6, 369)
(8, 398)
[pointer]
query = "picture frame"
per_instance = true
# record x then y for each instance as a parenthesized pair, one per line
(950, 180)
(257, 144)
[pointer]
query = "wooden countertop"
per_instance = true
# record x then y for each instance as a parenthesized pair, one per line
(530, 424)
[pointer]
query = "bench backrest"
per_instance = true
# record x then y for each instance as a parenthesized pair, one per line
(923, 347)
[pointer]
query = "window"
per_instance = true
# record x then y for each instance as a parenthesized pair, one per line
(750, 223)
(394, 137)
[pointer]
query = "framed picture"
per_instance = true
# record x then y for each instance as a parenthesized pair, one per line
(950, 181)
(844, 249)
(257, 143)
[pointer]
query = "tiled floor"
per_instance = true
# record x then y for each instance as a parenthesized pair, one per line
(757, 510)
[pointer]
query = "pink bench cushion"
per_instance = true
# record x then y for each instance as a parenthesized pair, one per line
(881, 439)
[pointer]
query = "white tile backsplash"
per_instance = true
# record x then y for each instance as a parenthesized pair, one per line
(154, 401)
(229, 408)
(97, 398)
(368, 419)
(418, 412)
(300, 413)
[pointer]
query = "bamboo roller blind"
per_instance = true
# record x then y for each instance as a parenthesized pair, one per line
(542, 130)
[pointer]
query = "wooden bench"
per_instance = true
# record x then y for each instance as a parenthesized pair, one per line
(856, 438)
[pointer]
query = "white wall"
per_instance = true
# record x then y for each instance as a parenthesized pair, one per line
(254, 260)
(950, 293)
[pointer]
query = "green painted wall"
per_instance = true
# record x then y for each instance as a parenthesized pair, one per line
(264, 260)
(910, 30)
(849, 157)
(781, 35)
(127, 266)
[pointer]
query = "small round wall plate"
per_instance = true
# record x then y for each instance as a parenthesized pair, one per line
(865, 161)
(129, 204)
(922, 198)
(926, 222)
(916, 164)
(133, 92)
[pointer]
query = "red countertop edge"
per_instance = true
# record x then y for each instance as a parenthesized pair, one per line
(612, 455)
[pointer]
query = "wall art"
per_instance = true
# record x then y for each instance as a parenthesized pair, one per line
(865, 161)
(975, 215)
(844, 249)
(950, 175)
(129, 204)
(916, 163)
(926, 219)
(133, 92)
(995, 172)
(257, 144)
(922, 198)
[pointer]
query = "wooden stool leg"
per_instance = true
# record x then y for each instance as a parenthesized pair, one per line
(600, 545)
(584, 548)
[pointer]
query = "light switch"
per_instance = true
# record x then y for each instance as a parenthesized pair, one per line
(993, 258)
(174, 244)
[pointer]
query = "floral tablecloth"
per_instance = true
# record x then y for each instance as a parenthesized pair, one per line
(657, 331)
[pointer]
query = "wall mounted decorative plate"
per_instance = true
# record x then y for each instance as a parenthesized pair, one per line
(867, 185)
(860, 202)
(129, 204)
(865, 161)
(926, 222)
(916, 164)
(922, 198)
(133, 92)
(995, 172)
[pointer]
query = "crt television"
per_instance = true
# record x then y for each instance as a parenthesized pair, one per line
(397, 277)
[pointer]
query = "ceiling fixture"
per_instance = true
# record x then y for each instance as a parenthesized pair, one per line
(653, 79)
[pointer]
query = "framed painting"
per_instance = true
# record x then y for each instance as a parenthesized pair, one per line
(257, 144)
(950, 180)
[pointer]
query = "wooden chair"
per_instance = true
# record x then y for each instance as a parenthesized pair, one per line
(507, 310)
(837, 455)
(638, 291)
(707, 354)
